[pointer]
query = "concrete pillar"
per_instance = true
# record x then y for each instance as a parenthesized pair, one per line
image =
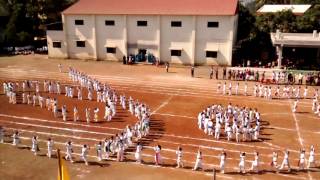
(279, 49)
(94, 36)
(159, 37)
(125, 36)
(193, 41)
(65, 31)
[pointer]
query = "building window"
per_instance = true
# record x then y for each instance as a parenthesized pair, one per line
(176, 23)
(211, 54)
(142, 23)
(111, 50)
(175, 52)
(81, 44)
(78, 22)
(109, 22)
(213, 24)
(56, 44)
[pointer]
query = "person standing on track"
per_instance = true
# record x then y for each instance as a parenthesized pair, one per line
(50, 147)
(285, 161)
(242, 162)
(84, 154)
(34, 147)
(99, 151)
(69, 151)
(301, 163)
(157, 156)
(1, 134)
(192, 71)
(311, 160)
(96, 116)
(179, 157)
(198, 164)
(167, 66)
(60, 67)
(16, 138)
(64, 112)
(137, 155)
(87, 115)
(274, 162)
(295, 106)
(223, 157)
(255, 162)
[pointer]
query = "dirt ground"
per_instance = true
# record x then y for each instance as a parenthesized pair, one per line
(175, 100)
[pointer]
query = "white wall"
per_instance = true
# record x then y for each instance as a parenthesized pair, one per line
(142, 37)
(84, 32)
(111, 36)
(53, 36)
(177, 37)
(158, 37)
(219, 39)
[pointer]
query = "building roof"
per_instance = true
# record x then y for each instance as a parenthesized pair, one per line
(297, 9)
(296, 39)
(154, 7)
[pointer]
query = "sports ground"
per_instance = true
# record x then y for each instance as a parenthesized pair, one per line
(175, 100)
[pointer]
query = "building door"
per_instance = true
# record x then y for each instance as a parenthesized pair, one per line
(142, 55)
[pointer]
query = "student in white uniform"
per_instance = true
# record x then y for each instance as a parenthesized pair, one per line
(179, 157)
(69, 151)
(305, 93)
(64, 112)
(87, 115)
(311, 160)
(137, 155)
(274, 162)
(198, 164)
(242, 162)
(255, 163)
(223, 157)
(217, 130)
(16, 138)
(302, 157)
(99, 151)
(1, 134)
(96, 116)
(34, 147)
(224, 88)
(157, 156)
(84, 154)
(237, 88)
(120, 153)
(295, 105)
(50, 147)
(285, 161)
(229, 132)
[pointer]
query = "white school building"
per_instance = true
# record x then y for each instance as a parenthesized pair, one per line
(196, 32)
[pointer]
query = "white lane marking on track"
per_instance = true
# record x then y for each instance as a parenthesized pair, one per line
(299, 133)
(162, 104)
(297, 125)
(175, 115)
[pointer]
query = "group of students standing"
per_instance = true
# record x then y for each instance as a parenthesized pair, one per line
(236, 121)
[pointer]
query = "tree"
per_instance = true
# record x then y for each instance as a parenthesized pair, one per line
(26, 18)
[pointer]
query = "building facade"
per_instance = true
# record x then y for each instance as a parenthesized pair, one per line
(197, 34)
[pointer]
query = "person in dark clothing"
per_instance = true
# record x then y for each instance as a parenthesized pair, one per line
(211, 72)
(124, 60)
(217, 73)
(192, 71)
(167, 66)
